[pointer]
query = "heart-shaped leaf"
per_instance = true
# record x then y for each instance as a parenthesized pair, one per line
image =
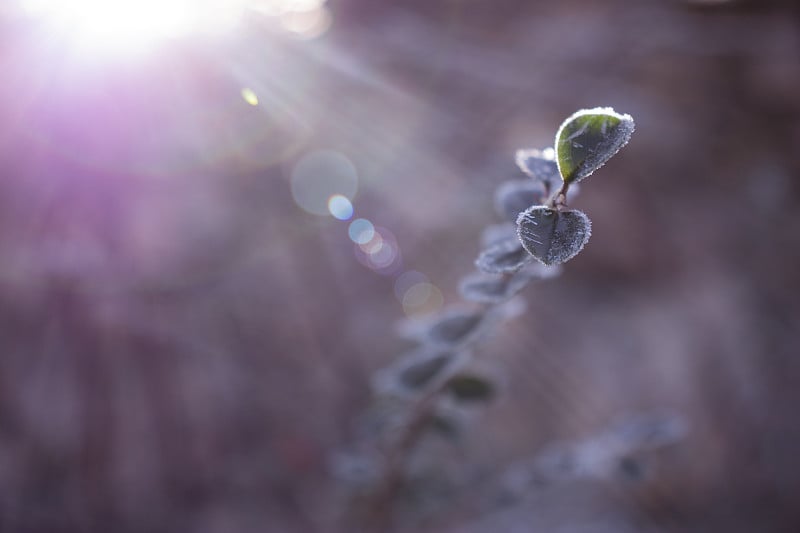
(551, 236)
(589, 138)
(513, 197)
(504, 257)
(539, 164)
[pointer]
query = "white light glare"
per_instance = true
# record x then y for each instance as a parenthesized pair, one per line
(131, 23)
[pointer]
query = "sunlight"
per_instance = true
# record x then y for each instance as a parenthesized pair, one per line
(114, 25)
(108, 27)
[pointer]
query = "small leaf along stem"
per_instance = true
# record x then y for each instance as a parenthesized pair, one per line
(378, 514)
(378, 517)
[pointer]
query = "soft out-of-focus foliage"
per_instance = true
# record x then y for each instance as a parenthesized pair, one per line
(539, 165)
(433, 386)
(492, 288)
(515, 196)
(505, 257)
(183, 347)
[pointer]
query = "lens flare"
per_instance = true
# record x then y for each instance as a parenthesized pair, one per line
(249, 96)
(320, 175)
(421, 299)
(406, 280)
(361, 231)
(340, 207)
(381, 253)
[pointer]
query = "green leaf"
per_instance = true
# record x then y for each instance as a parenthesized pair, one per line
(552, 236)
(471, 388)
(588, 139)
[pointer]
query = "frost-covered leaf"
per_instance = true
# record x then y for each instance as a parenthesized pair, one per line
(551, 236)
(454, 327)
(503, 258)
(449, 327)
(589, 138)
(471, 388)
(485, 288)
(490, 288)
(389, 413)
(420, 373)
(414, 371)
(496, 233)
(515, 196)
(539, 165)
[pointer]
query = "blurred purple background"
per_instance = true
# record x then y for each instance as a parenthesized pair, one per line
(183, 345)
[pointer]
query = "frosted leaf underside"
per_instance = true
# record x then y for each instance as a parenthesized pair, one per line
(503, 258)
(553, 237)
(515, 196)
(538, 166)
(588, 139)
(491, 288)
(453, 328)
(485, 288)
(413, 371)
(419, 373)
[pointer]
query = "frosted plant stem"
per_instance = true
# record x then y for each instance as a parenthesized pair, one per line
(559, 200)
(584, 142)
(379, 506)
